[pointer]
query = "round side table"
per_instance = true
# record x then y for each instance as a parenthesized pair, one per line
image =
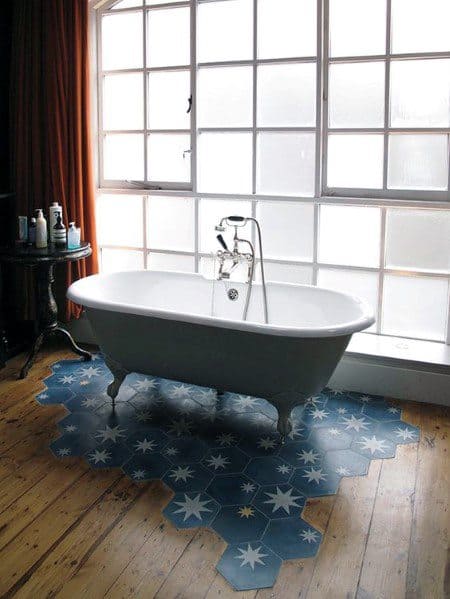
(43, 262)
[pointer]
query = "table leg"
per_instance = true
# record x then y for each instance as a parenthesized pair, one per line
(32, 355)
(48, 317)
(75, 348)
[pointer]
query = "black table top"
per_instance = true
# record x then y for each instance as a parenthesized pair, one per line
(24, 254)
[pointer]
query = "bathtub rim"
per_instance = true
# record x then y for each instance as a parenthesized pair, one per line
(77, 293)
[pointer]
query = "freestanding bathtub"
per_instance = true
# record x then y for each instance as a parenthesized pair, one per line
(185, 327)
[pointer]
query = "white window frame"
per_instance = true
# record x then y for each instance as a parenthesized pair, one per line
(384, 199)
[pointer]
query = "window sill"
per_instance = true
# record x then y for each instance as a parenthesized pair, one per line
(414, 353)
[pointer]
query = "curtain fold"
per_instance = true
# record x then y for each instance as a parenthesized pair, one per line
(50, 112)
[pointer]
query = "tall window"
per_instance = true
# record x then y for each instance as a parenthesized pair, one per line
(327, 119)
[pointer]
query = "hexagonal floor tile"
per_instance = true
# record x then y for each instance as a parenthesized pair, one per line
(249, 566)
(374, 446)
(240, 523)
(300, 453)
(188, 477)
(330, 437)
(112, 456)
(315, 481)
(345, 462)
(225, 460)
(186, 510)
(153, 466)
(146, 440)
(232, 489)
(292, 538)
(279, 501)
(268, 470)
(398, 431)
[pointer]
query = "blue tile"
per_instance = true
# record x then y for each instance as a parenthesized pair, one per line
(315, 481)
(87, 402)
(344, 406)
(146, 440)
(268, 470)
(240, 523)
(70, 445)
(79, 422)
(188, 449)
(380, 412)
(399, 432)
(280, 501)
(374, 446)
(186, 510)
(188, 477)
(319, 416)
(359, 424)
(108, 456)
(300, 453)
(146, 467)
(331, 437)
(123, 415)
(225, 460)
(54, 396)
(346, 463)
(249, 566)
(232, 489)
(261, 445)
(292, 538)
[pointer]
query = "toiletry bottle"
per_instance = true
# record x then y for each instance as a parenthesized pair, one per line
(54, 210)
(73, 236)
(23, 229)
(32, 231)
(41, 230)
(59, 233)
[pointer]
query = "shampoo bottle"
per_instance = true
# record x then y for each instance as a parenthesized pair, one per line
(41, 230)
(59, 233)
(54, 210)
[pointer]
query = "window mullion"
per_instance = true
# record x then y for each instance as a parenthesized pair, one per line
(144, 75)
(323, 99)
(387, 83)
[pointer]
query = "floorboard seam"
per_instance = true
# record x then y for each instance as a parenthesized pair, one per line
(369, 528)
(25, 577)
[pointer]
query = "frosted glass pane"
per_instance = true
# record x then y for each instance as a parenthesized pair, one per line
(123, 157)
(119, 260)
(287, 28)
(123, 102)
(355, 161)
(363, 285)
(420, 93)
(287, 95)
(210, 214)
(122, 41)
(168, 94)
(126, 4)
(287, 230)
(225, 162)
(225, 97)
(120, 220)
(171, 223)
(349, 235)
(169, 158)
(418, 239)
(357, 27)
(286, 273)
(420, 25)
(154, 2)
(418, 162)
(224, 30)
(168, 37)
(415, 307)
(171, 262)
(286, 164)
(356, 95)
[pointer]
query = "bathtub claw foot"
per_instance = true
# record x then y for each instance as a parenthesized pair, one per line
(119, 373)
(284, 427)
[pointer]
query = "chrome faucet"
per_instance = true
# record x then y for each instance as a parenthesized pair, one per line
(229, 260)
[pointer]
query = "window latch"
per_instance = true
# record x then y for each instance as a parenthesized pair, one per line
(189, 104)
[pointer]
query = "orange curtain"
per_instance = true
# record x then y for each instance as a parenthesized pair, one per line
(51, 122)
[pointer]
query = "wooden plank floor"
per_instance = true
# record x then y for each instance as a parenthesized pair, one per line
(67, 531)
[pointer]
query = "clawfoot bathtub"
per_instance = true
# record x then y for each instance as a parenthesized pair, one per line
(185, 327)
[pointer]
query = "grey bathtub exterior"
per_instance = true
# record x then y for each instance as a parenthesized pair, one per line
(281, 369)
